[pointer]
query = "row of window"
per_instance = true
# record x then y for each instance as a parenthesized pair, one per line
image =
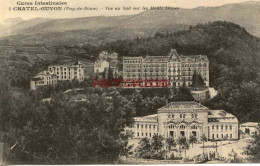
(174, 65)
(222, 136)
(151, 74)
(48, 78)
(64, 77)
(61, 68)
(75, 73)
(194, 65)
(155, 65)
(183, 65)
(47, 82)
(142, 134)
(175, 83)
(133, 61)
(133, 65)
(132, 70)
(221, 127)
(174, 78)
(187, 78)
(154, 70)
(174, 70)
(182, 116)
(145, 126)
(182, 126)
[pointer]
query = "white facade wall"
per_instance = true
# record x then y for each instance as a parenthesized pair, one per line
(221, 131)
(183, 122)
(68, 72)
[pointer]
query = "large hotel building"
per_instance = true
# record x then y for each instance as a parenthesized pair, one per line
(177, 69)
(185, 119)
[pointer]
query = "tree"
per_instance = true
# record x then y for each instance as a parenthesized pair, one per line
(182, 94)
(96, 77)
(62, 132)
(181, 141)
(169, 143)
(197, 80)
(192, 139)
(144, 147)
(253, 148)
(203, 139)
(157, 142)
(104, 74)
(110, 77)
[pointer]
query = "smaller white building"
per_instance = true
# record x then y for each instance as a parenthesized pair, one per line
(43, 78)
(201, 94)
(72, 71)
(222, 125)
(100, 66)
(250, 128)
(145, 126)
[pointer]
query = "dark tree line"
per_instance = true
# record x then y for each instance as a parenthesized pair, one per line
(61, 131)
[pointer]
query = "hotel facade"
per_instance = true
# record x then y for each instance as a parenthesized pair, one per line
(185, 119)
(55, 73)
(177, 69)
(68, 71)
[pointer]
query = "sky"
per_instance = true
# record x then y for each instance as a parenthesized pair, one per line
(101, 4)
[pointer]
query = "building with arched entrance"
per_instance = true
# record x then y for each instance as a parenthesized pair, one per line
(185, 119)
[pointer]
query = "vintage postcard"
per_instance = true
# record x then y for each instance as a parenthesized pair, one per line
(129, 82)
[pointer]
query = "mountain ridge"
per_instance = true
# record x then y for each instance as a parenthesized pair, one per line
(145, 23)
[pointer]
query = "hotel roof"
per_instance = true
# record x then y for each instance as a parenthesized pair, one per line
(173, 53)
(199, 90)
(134, 57)
(156, 59)
(251, 124)
(183, 105)
(152, 117)
(45, 73)
(222, 116)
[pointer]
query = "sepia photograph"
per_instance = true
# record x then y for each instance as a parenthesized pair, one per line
(129, 82)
